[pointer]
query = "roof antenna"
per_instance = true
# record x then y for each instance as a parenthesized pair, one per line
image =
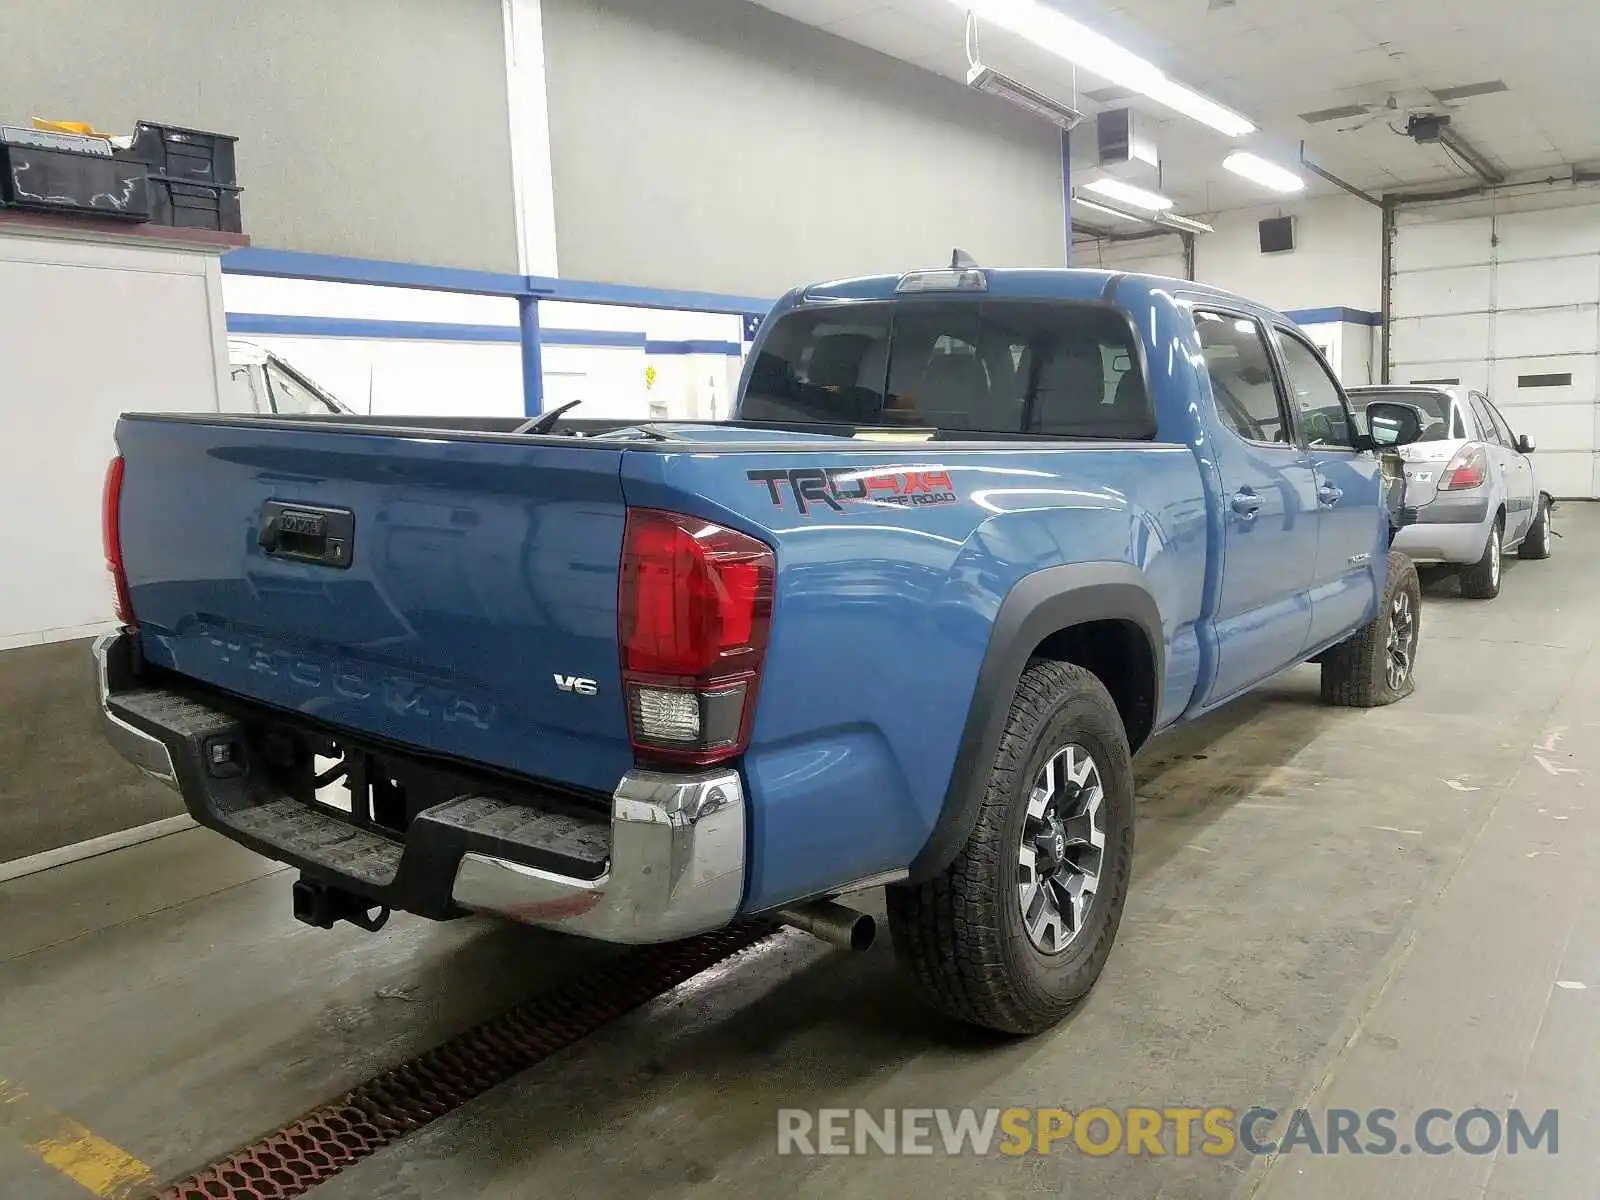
(960, 260)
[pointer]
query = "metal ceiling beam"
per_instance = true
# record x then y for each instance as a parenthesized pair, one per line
(1453, 139)
(1336, 181)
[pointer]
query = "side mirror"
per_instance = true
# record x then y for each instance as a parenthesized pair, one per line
(1390, 423)
(1525, 444)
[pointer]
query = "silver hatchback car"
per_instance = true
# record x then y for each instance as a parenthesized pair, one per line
(1471, 492)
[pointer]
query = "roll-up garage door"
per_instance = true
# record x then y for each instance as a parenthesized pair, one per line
(1509, 305)
(1146, 256)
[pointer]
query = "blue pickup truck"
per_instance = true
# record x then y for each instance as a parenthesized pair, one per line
(972, 538)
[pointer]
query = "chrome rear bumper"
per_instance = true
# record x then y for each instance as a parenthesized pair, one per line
(674, 864)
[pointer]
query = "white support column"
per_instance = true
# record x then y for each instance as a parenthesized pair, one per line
(529, 115)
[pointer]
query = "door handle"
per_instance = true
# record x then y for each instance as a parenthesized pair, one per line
(1328, 495)
(1246, 504)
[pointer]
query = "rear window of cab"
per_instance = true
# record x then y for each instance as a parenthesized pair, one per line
(1055, 369)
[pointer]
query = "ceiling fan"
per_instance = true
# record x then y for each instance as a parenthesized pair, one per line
(1401, 106)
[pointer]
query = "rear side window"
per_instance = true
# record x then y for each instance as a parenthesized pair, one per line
(1242, 381)
(991, 366)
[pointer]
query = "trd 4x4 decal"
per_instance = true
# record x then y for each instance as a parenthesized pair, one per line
(835, 487)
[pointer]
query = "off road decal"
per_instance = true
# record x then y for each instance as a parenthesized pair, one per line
(836, 487)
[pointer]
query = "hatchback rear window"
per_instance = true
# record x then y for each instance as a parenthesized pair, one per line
(989, 366)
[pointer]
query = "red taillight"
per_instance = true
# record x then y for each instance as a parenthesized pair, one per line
(1468, 469)
(111, 538)
(693, 611)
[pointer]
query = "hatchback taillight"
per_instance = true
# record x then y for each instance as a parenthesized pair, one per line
(693, 611)
(1467, 469)
(111, 538)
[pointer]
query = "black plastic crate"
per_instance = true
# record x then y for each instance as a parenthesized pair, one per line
(194, 205)
(47, 179)
(183, 155)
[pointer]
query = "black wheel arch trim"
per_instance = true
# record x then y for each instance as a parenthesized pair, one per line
(1038, 605)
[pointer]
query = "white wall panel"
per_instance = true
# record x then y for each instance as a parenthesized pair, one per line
(1447, 290)
(1555, 427)
(1471, 374)
(88, 330)
(1427, 339)
(1424, 243)
(1547, 331)
(1548, 234)
(1503, 387)
(1542, 283)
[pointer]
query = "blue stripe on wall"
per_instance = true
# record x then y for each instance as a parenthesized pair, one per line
(441, 331)
(1331, 316)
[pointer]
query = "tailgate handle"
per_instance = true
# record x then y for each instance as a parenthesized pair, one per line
(308, 533)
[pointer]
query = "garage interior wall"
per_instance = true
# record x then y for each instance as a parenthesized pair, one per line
(713, 144)
(1502, 296)
(1337, 260)
(401, 151)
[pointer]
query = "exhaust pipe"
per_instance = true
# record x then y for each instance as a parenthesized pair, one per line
(832, 922)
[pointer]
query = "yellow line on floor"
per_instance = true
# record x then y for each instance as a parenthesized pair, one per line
(89, 1161)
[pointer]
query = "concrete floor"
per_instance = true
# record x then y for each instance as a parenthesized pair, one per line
(1330, 908)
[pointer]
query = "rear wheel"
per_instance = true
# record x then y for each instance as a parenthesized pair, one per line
(1376, 664)
(1481, 581)
(1019, 926)
(1537, 542)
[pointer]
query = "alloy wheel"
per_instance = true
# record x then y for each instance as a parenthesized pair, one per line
(1402, 640)
(1062, 850)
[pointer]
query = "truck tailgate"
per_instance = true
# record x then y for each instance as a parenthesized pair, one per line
(452, 593)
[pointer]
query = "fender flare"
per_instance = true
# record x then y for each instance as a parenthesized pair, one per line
(1037, 606)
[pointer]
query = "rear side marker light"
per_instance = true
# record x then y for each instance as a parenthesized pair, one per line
(694, 610)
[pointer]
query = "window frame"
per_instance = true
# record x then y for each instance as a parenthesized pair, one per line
(1284, 330)
(1291, 426)
(893, 304)
(329, 408)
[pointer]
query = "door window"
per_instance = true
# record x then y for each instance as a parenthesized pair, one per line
(1503, 430)
(1324, 418)
(1487, 429)
(1242, 379)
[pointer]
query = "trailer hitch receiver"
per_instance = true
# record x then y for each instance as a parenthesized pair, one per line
(324, 906)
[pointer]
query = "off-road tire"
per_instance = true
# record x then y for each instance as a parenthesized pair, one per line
(1536, 543)
(961, 933)
(1481, 581)
(1355, 672)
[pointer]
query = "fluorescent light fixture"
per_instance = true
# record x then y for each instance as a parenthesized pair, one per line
(987, 79)
(1187, 224)
(1048, 27)
(1259, 170)
(1107, 209)
(1128, 194)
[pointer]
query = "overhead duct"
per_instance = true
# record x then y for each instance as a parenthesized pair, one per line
(1121, 144)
